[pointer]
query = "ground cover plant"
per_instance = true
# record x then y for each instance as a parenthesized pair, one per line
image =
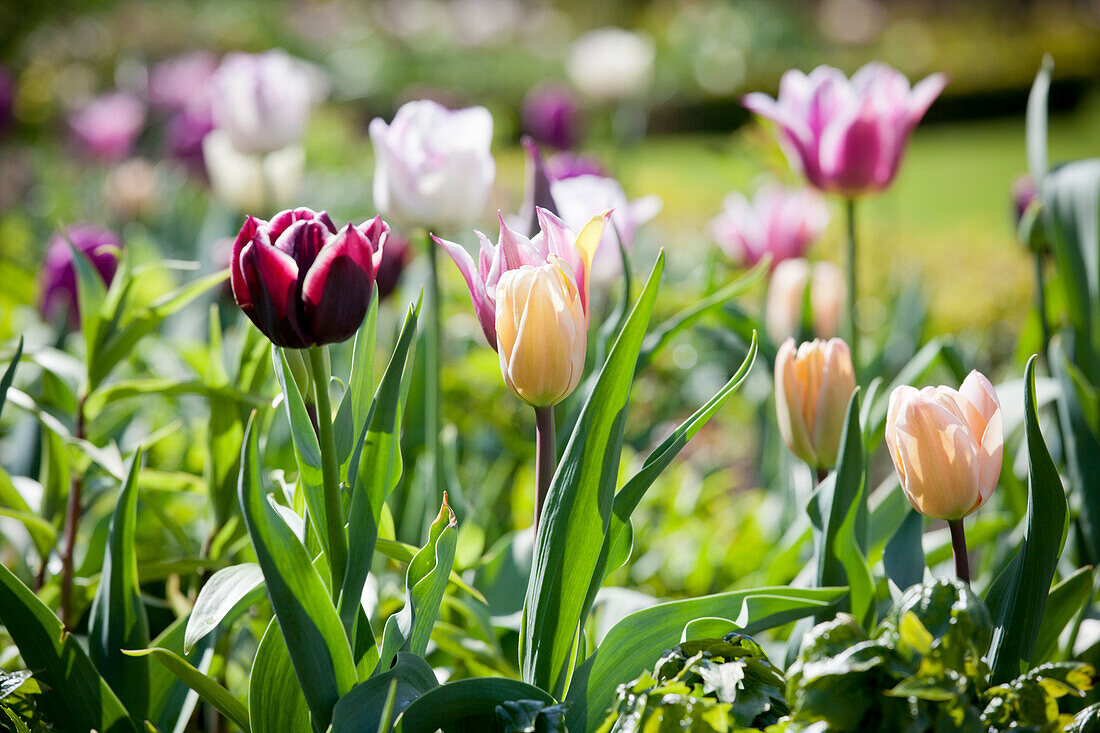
(353, 390)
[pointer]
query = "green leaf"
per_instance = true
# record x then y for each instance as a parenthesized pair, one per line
(352, 414)
(1018, 616)
(225, 592)
(120, 343)
(118, 620)
(131, 388)
(9, 374)
(1065, 601)
(314, 637)
(276, 703)
(1036, 132)
(425, 580)
(171, 701)
(1081, 447)
(206, 687)
(20, 726)
(634, 642)
(75, 697)
(466, 706)
(90, 296)
(404, 553)
(362, 708)
(903, 558)
(373, 472)
(572, 533)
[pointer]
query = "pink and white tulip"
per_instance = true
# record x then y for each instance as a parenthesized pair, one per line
(262, 101)
(848, 136)
(106, 127)
(946, 445)
(553, 244)
(779, 221)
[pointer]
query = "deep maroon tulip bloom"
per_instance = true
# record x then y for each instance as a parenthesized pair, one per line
(302, 282)
(395, 258)
(551, 115)
(58, 276)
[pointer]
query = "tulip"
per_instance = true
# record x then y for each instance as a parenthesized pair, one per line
(433, 166)
(106, 127)
(611, 64)
(302, 282)
(553, 243)
(7, 97)
(395, 258)
(783, 312)
(262, 101)
(946, 445)
(779, 221)
(550, 114)
(182, 82)
(847, 136)
(542, 332)
(579, 198)
(252, 182)
(813, 385)
(184, 134)
(59, 288)
(1024, 192)
(567, 165)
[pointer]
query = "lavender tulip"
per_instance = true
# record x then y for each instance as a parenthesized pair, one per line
(58, 284)
(106, 127)
(302, 282)
(262, 101)
(554, 243)
(568, 165)
(551, 115)
(779, 221)
(182, 82)
(433, 168)
(848, 136)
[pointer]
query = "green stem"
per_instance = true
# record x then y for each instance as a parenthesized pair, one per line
(958, 544)
(72, 522)
(545, 458)
(853, 291)
(432, 348)
(330, 471)
(1041, 304)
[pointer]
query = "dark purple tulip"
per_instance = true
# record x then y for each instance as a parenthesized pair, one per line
(302, 282)
(184, 134)
(551, 115)
(58, 276)
(106, 127)
(567, 165)
(396, 256)
(7, 97)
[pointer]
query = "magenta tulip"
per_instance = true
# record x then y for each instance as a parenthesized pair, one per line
(848, 136)
(568, 165)
(59, 293)
(302, 282)
(106, 127)
(779, 221)
(552, 116)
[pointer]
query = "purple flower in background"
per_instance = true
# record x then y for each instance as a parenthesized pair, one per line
(1024, 192)
(184, 133)
(778, 220)
(847, 136)
(569, 165)
(302, 282)
(262, 101)
(551, 115)
(106, 127)
(7, 97)
(182, 82)
(58, 278)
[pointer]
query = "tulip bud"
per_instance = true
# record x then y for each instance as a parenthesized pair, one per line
(787, 290)
(300, 281)
(59, 289)
(542, 332)
(946, 445)
(813, 385)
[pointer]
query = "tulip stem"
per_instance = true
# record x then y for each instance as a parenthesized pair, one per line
(330, 471)
(958, 544)
(1041, 306)
(544, 458)
(72, 521)
(432, 347)
(853, 332)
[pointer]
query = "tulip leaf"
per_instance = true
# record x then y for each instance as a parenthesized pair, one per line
(171, 700)
(1022, 588)
(361, 710)
(90, 296)
(205, 686)
(74, 696)
(130, 388)
(571, 545)
(903, 558)
(1036, 130)
(226, 591)
(355, 405)
(467, 706)
(315, 639)
(9, 374)
(118, 620)
(1065, 601)
(276, 703)
(425, 580)
(373, 472)
(634, 642)
(1081, 447)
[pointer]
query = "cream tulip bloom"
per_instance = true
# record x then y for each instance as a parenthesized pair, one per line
(946, 445)
(783, 310)
(813, 385)
(542, 332)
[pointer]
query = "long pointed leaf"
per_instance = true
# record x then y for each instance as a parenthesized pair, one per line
(9, 374)
(207, 688)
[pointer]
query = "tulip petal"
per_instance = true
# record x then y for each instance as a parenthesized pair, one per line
(852, 147)
(587, 244)
(790, 399)
(236, 272)
(337, 288)
(483, 307)
(538, 188)
(980, 393)
(940, 459)
(272, 279)
(924, 93)
(990, 456)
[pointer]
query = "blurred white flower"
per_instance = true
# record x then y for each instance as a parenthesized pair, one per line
(132, 188)
(611, 64)
(262, 101)
(254, 184)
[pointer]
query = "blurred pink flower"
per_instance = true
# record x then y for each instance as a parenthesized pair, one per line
(1024, 192)
(106, 127)
(780, 221)
(7, 97)
(184, 133)
(552, 116)
(567, 165)
(848, 136)
(58, 278)
(182, 82)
